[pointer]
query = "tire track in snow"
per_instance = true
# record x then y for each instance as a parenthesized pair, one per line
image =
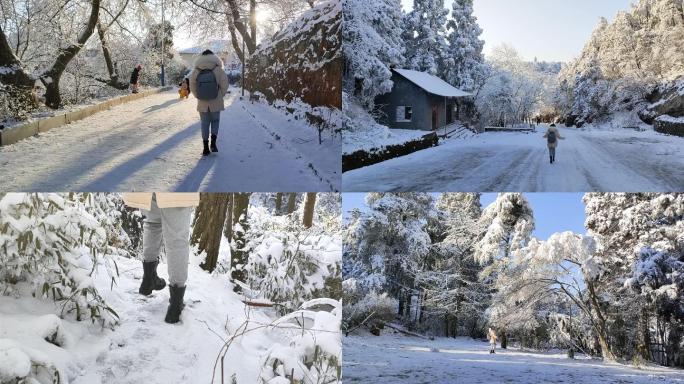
(509, 179)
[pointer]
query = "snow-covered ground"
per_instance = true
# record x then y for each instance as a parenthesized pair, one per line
(395, 358)
(143, 348)
(155, 144)
(590, 159)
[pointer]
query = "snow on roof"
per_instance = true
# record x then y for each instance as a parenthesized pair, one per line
(431, 84)
(217, 46)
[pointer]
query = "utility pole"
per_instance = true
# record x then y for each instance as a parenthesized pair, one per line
(243, 66)
(163, 58)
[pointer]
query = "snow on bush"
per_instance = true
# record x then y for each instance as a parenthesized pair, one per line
(314, 351)
(52, 245)
(290, 264)
(324, 119)
(365, 308)
(29, 348)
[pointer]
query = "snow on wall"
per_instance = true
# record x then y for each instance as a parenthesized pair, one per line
(303, 60)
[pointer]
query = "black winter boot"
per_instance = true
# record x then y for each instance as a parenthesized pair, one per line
(214, 148)
(175, 304)
(206, 148)
(150, 279)
(550, 159)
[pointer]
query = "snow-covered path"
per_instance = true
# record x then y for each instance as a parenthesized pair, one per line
(400, 359)
(143, 348)
(588, 160)
(155, 144)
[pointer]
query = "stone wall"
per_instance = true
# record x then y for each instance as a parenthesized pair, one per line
(361, 158)
(303, 60)
(669, 125)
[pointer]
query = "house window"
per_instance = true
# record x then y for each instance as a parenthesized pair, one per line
(404, 114)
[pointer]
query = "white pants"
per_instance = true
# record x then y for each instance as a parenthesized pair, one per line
(172, 225)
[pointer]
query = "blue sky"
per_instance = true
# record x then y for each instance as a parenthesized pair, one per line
(551, 30)
(553, 212)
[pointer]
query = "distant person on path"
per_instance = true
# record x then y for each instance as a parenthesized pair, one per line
(135, 78)
(209, 84)
(167, 220)
(184, 90)
(552, 136)
(491, 334)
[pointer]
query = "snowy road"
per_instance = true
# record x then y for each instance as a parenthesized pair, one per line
(155, 144)
(607, 160)
(398, 359)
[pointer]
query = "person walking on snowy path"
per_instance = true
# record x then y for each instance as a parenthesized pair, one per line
(209, 84)
(167, 219)
(135, 78)
(491, 334)
(552, 136)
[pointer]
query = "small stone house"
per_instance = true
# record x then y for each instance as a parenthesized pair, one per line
(421, 101)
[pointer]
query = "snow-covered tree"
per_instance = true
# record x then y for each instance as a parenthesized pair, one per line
(509, 223)
(452, 289)
(514, 90)
(425, 35)
(640, 50)
(463, 65)
(385, 249)
(372, 43)
(631, 228)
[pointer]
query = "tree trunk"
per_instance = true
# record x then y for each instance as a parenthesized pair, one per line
(600, 323)
(400, 311)
(644, 335)
(291, 202)
(114, 80)
(239, 22)
(309, 205)
(19, 83)
(253, 20)
(52, 76)
(228, 231)
(278, 203)
(238, 254)
(207, 227)
(504, 340)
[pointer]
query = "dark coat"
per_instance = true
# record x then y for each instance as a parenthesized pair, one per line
(135, 76)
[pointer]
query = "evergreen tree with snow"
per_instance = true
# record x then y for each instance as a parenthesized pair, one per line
(453, 291)
(425, 35)
(463, 65)
(639, 241)
(372, 44)
(509, 223)
(387, 246)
